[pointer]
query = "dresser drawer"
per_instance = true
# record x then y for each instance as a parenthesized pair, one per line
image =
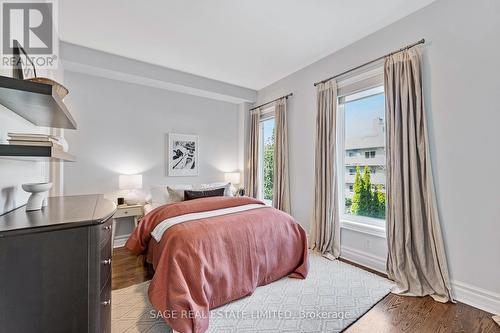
(128, 211)
(106, 231)
(105, 308)
(105, 263)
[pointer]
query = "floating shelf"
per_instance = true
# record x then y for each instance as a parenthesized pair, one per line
(34, 153)
(35, 102)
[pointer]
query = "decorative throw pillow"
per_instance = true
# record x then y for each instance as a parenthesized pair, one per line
(175, 195)
(159, 194)
(214, 186)
(190, 195)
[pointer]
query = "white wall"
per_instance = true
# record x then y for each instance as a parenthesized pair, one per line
(122, 128)
(14, 173)
(461, 84)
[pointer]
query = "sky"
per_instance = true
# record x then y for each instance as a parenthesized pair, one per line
(359, 115)
(268, 129)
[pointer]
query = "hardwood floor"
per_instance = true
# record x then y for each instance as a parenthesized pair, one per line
(392, 314)
(411, 314)
(127, 269)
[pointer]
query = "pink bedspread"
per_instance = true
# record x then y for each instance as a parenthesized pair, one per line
(202, 264)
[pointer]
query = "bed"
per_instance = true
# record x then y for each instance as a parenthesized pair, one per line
(210, 251)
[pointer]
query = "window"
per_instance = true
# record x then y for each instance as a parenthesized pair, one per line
(370, 154)
(266, 158)
(362, 128)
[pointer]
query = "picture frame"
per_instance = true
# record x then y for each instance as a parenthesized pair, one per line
(182, 155)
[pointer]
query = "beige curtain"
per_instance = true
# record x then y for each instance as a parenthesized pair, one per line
(253, 154)
(416, 256)
(281, 186)
(325, 231)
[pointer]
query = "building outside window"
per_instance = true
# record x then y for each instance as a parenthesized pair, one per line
(362, 149)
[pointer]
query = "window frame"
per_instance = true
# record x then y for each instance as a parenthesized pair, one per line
(364, 85)
(265, 115)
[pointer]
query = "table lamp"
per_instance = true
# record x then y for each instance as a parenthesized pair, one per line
(235, 179)
(131, 183)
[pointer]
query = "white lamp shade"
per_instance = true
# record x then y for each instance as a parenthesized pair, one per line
(130, 182)
(232, 177)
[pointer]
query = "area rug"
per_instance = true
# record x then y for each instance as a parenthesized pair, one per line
(333, 296)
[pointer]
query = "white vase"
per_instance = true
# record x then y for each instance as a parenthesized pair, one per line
(38, 197)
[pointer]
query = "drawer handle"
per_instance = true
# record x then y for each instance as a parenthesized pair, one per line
(107, 261)
(108, 227)
(106, 303)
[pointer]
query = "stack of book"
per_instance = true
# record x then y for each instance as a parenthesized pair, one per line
(29, 139)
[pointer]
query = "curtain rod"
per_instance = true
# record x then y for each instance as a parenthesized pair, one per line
(422, 41)
(274, 100)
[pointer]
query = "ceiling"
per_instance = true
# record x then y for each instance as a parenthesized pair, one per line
(249, 43)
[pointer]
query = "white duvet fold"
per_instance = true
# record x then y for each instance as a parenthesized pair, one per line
(160, 229)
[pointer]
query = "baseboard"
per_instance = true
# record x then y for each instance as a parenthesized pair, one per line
(120, 241)
(363, 258)
(477, 297)
(463, 292)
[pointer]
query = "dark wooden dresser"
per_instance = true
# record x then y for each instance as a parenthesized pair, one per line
(55, 267)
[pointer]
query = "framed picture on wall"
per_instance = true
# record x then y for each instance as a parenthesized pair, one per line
(182, 155)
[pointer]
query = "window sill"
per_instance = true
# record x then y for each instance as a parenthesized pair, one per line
(370, 229)
(267, 202)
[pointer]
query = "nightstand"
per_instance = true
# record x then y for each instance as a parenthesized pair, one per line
(134, 211)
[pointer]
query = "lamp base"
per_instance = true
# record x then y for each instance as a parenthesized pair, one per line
(133, 198)
(240, 192)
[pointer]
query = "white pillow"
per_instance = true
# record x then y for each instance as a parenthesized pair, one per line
(148, 207)
(228, 192)
(159, 194)
(175, 195)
